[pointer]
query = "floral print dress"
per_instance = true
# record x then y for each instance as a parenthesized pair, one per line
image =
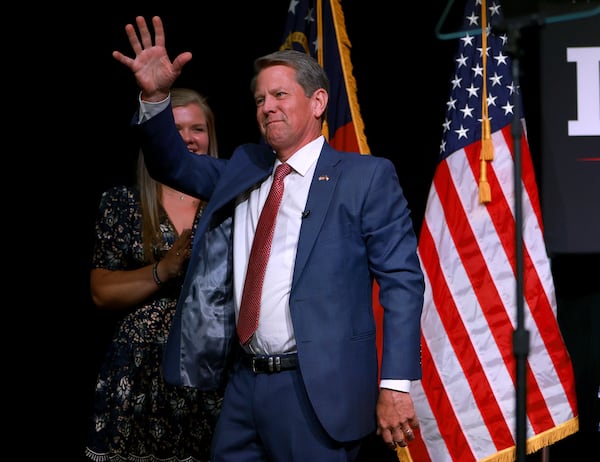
(136, 415)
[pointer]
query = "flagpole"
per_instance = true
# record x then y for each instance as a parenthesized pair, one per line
(520, 335)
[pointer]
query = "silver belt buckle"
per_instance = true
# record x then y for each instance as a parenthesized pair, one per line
(275, 364)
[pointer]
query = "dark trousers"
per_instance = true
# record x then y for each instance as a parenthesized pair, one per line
(268, 417)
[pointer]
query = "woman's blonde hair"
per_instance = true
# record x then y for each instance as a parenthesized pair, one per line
(150, 189)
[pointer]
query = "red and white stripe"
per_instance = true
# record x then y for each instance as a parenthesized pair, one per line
(466, 400)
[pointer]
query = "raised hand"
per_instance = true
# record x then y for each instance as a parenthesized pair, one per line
(151, 66)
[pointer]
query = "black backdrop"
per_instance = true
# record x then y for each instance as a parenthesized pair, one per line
(571, 135)
(402, 71)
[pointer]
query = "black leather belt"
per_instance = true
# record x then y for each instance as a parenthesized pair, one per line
(265, 364)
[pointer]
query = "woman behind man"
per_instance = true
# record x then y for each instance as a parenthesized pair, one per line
(142, 244)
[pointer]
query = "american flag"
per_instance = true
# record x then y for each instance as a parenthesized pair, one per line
(466, 400)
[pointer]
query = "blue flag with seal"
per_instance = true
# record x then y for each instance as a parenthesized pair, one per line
(317, 27)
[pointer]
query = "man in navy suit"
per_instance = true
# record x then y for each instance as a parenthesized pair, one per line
(306, 387)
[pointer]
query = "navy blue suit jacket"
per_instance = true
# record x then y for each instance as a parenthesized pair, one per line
(359, 229)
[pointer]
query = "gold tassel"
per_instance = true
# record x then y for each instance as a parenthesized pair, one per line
(487, 148)
(485, 194)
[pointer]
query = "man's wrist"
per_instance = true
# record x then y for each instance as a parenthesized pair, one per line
(398, 385)
(149, 109)
(157, 97)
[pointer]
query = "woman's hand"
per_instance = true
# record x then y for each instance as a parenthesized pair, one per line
(173, 263)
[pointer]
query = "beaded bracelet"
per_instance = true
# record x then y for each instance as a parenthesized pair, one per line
(155, 274)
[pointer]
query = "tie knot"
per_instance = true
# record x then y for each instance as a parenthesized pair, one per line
(281, 171)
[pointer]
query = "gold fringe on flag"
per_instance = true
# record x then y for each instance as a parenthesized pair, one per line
(344, 47)
(537, 442)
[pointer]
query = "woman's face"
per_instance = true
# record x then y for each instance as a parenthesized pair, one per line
(191, 123)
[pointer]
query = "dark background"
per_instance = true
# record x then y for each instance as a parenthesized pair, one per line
(402, 71)
(571, 162)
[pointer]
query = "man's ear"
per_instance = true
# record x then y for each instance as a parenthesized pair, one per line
(319, 102)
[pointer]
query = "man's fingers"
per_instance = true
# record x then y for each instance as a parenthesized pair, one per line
(133, 39)
(159, 34)
(122, 58)
(145, 36)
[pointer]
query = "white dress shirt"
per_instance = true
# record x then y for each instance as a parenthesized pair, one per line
(275, 333)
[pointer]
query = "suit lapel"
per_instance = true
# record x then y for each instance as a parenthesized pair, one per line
(321, 191)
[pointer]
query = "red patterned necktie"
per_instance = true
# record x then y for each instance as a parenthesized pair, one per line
(259, 256)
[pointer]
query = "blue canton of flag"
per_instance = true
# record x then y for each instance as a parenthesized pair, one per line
(463, 122)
